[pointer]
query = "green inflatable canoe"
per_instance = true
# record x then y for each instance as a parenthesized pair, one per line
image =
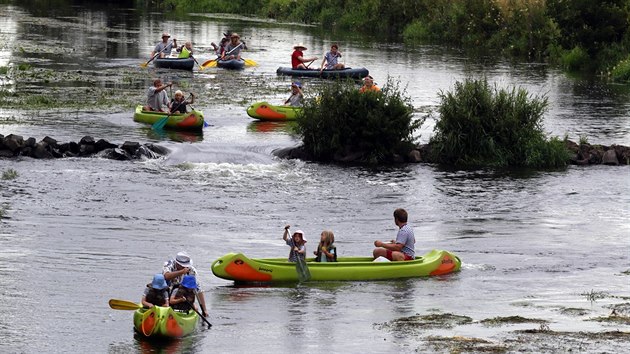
(239, 268)
(265, 111)
(164, 322)
(181, 121)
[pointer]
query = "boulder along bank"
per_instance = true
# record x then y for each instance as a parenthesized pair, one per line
(580, 154)
(48, 148)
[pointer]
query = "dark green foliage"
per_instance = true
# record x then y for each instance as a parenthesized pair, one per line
(481, 125)
(342, 121)
(600, 28)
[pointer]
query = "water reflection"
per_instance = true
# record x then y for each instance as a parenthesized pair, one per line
(173, 135)
(266, 127)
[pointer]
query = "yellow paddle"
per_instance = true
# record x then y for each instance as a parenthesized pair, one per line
(212, 63)
(250, 62)
(123, 305)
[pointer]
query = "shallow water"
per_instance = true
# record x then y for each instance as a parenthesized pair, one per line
(76, 232)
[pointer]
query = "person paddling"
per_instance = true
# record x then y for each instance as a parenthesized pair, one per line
(296, 242)
(330, 61)
(297, 58)
(157, 99)
(164, 47)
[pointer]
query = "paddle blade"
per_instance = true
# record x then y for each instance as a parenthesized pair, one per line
(210, 64)
(250, 62)
(123, 305)
(159, 125)
(144, 65)
(302, 270)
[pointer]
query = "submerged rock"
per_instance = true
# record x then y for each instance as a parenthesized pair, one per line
(48, 148)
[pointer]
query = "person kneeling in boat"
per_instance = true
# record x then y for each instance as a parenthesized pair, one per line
(296, 242)
(176, 269)
(183, 297)
(156, 293)
(330, 59)
(157, 99)
(401, 249)
(326, 250)
(297, 58)
(295, 100)
(178, 104)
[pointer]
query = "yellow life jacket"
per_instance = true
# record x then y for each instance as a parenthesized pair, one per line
(185, 53)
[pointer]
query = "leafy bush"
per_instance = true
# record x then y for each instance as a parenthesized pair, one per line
(342, 121)
(575, 59)
(621, 71)
(9, 174)
(484, 126)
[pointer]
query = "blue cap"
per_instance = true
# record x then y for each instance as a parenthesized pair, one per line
(297, 83)
(159, 282)
(189, 282)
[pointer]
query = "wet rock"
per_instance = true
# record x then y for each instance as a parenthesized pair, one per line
(41, 152)
(15, 145)
(13, 142)
(103, 144)
(131, 147)
(610, 157)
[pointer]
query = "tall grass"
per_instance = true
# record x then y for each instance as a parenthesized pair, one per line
(341, 121)
(481, 125)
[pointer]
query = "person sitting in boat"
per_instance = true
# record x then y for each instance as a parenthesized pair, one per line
(176, 269)
(296, 242)
(295, 100)
(233, 49)
(326, 250)
(330, 59)
(185, 51)
(368, 85)
(156, 292)
(165, 47)
(183, 297)
(179, 104)
(297, 58)
(220, 49)
(401, 249)
(157, 99)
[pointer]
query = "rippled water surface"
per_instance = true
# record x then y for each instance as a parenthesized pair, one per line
(74, 233)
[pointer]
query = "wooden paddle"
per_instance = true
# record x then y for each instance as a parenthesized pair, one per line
(198, 313)
(123, 305)
(159, 125)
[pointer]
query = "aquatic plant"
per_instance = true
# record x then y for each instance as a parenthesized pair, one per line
(480, 125)
(9, 174)
(593, 295)
(343, 121)
(621, 71)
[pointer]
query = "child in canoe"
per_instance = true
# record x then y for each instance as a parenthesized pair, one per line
(326, 250)
(296, 242)
(179, 104)
(156, 293)
(183, 297)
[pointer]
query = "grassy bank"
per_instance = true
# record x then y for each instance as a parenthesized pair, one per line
(578, 35)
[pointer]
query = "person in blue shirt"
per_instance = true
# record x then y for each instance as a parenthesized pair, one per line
(401, 249)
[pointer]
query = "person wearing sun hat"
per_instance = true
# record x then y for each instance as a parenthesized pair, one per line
(184, 296)
(297, 58)
(176, 269)
(297, 95)
(233, 49)
(165, 47)
(296, 242)
(156, 292)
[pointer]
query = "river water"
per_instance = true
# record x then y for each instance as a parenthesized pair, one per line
(550, 245)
